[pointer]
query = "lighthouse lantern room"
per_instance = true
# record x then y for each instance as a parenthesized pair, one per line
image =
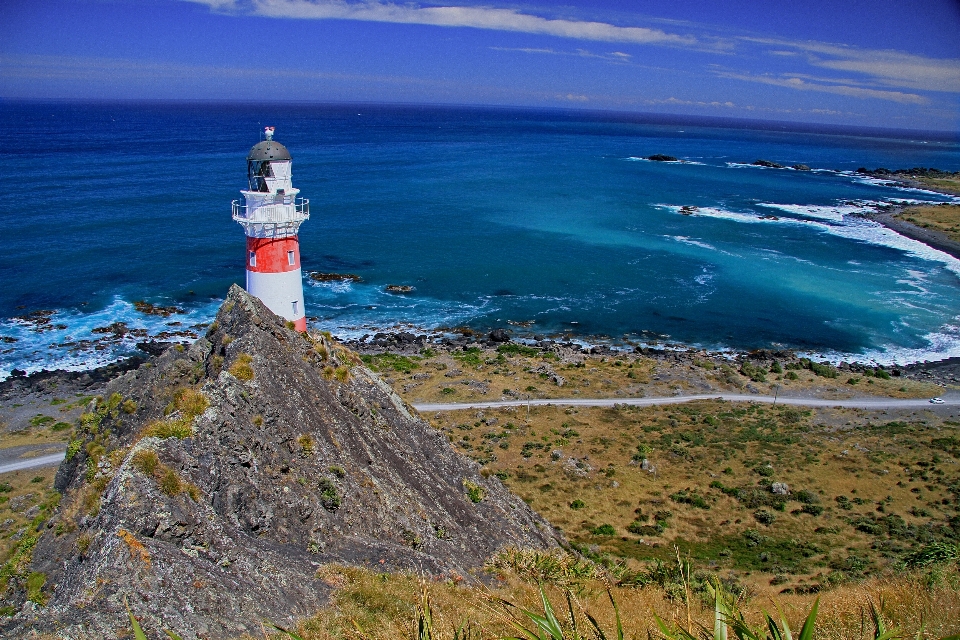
(271, 214)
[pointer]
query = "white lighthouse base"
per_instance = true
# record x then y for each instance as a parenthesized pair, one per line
(281, 292)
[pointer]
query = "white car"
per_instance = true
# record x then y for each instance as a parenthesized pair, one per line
(936, 400)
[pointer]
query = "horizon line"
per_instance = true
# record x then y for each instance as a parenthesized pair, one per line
(665, 117)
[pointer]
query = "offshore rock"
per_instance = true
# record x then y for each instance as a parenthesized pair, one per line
(291, 455)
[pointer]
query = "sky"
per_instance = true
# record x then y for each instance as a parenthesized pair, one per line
(877, 63)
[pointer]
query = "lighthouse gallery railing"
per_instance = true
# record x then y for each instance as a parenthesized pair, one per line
(277, 212)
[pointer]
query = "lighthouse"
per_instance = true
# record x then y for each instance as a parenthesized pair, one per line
(271, 215)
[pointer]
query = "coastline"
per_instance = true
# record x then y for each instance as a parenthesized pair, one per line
(929, 237)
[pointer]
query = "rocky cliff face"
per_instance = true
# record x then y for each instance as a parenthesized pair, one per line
(208, 486)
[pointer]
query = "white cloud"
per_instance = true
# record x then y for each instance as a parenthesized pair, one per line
(492, 18)
(883, 66)
(799, 83)
(616, 56)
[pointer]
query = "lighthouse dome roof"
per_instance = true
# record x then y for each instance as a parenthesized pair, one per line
(269, 150)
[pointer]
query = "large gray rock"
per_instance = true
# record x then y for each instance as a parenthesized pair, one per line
(290, 470)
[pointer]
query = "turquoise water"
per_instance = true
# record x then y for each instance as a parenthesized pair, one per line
(546, 222)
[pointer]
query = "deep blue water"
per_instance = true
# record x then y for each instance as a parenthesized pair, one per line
(495, 216)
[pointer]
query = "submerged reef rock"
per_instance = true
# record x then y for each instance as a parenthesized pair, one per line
(398, 288)
(207, 487)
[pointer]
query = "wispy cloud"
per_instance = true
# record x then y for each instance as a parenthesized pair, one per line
(795, 81)
(615, 56)
(97, 69)
(882, 66)
(484, 17)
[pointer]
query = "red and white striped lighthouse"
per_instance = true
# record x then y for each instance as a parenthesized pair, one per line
(271, 215)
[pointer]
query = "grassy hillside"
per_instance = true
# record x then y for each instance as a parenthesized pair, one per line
(863, 491)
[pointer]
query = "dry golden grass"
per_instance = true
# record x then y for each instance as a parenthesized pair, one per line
(877, 469)
(491, 376)
(16, 485)
(384, 606)
(34, 436)
(943, 185)
(943, 218)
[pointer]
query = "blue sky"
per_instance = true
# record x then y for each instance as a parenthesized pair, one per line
(884, 63)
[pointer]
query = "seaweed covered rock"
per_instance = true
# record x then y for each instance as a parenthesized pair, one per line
(208, 486)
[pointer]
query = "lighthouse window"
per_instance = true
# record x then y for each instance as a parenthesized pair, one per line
(253, 258)
(294, 307)
(290, 258)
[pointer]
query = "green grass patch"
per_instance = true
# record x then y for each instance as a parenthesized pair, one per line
(391, 362)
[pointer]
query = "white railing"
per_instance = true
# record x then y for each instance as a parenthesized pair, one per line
(284, 209)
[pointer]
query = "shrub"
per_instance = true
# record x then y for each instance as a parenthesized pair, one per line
(128, 406)
(242, 369)
(329, 496)
(512, 348)
(604, 530)
(342, 374)
(755, 373)
(306, 443)
(474, 491)
(338, 471)
(822, 369)
(812, 509)
(73, 448)
(883, 375)
(691, 497)
(41, 420)
(577, 504)
(764, 517)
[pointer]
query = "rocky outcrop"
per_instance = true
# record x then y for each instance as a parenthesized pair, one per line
(767, 163)
(208, 486)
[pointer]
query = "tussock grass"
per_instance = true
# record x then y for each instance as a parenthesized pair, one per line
(242, 367)
(187, 404)
(390, 606)
(864, 494)
(167, 479)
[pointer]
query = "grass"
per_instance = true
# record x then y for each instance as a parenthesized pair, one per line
(375, 606)
(510, 372)
(25, 505)
(943, 218)
(712, 495)
(242, 367)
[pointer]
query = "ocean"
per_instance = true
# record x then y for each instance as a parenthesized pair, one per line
(547, 223)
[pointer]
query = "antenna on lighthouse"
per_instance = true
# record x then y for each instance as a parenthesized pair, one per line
(271, 215)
